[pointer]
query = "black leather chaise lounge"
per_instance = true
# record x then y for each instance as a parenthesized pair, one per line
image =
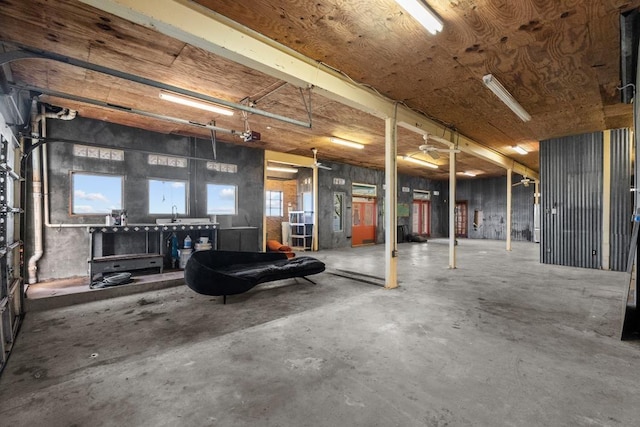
(231, 272)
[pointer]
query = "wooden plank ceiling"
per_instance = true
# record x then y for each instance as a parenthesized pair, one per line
(559, 58)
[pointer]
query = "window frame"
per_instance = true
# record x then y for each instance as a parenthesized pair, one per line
(268, 210)
(235, 194)
(170, 181)
(341, 196)
(72, 185)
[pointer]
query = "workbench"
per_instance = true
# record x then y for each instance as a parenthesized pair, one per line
(153, 255)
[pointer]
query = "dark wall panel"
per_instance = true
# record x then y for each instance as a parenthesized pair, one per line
(571, 189)
(328, 239)
(66, 249)
(488, 197)
(439, 218)
(621, 199)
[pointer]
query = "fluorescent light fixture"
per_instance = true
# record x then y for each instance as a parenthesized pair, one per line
(281, 169)
(190, 102)
(469, 173)
(519, 149)
(420, 162)
(347, 143)
(421, 13)
(496, 87)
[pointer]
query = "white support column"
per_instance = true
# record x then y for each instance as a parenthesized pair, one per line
(606, 199)
(452, 210)
(391, 204)
(316, 208)
(509, 188)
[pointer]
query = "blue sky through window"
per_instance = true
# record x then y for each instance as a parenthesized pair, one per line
(221, 199)
(96, 194)
(165, 194)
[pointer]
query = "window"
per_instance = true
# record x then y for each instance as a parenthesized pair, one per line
(338, 212)
(166, 197)
(95, 194)
(274, 203)
(98, 152)
(176, 162)
(222, 199)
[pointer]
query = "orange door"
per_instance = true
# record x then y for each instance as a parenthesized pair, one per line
(422, 217)
(363, 228)
(461, 219)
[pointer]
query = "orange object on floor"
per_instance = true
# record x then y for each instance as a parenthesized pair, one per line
(275, 246)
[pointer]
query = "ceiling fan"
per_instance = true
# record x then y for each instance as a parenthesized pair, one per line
(524, 181)
(431, 150)
(315, 160)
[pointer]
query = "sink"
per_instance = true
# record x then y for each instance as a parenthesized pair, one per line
(169, 221)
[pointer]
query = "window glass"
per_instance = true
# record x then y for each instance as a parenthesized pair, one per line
(95, 194)
(274, 203)
(167, 197)
(222, 199)
(338, 212)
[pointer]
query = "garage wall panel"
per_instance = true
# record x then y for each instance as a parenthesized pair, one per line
(621, 199)
(571, 190)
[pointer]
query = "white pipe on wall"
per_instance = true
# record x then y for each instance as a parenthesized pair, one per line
(36, 194)
(64, 114)
(39, 182)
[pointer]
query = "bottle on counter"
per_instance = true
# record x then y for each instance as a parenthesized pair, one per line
(175, 256)
(187, 242)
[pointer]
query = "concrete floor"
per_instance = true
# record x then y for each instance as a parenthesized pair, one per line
(500, 341)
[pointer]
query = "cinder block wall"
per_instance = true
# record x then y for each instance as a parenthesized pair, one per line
(67, 249)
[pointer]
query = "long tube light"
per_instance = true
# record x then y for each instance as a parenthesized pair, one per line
(281, 169)
(347, 143)
(496, 87)
(178, 99)
(419, 162)
(421, 13)
(519, 149)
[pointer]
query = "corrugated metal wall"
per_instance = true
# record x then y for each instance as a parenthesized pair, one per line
(571, 190)
(489, 196)
(621, 199)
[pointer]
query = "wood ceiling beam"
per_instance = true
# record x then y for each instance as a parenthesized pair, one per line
(210, 31)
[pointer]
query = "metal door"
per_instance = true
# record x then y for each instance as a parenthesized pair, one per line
(363, 228)
(421, 221)
(461, 219)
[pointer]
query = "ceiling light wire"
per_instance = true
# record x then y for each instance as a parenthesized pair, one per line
(304, 101)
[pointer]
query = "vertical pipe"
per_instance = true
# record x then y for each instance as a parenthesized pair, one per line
(606, 200)
(508, 231)
(36, 184)
(452, 210)
(391, 204)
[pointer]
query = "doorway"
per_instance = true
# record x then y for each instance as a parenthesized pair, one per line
(363, 227)
(461, 219)
(421, 223)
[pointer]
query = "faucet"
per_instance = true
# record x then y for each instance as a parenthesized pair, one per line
(174, 213)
